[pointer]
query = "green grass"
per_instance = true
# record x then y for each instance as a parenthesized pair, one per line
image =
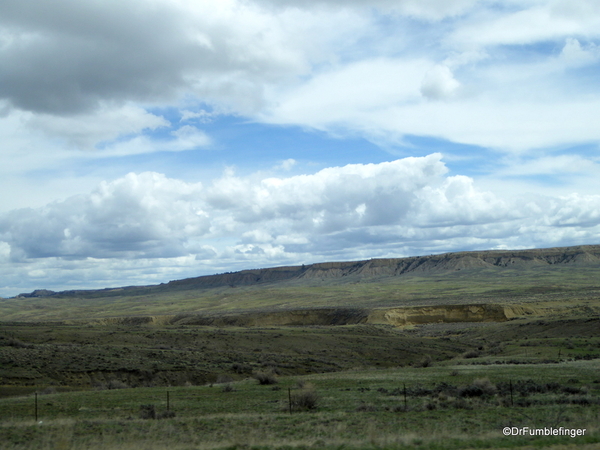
(256, 416)
(93, 356)
(101, 357)
(563, 284)
(358, 373)
(94, 360)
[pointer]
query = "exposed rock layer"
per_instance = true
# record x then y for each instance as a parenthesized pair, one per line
(583, 255)
(418, 265)
(399, 317)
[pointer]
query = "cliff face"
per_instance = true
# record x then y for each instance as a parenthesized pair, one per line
(397, 317)
(581, 255)
(439, 314)
(588, 255)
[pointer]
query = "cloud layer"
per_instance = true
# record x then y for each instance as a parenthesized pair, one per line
(402, 207)
(504, 73)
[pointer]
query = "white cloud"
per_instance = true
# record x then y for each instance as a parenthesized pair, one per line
(439, 84)
(287, 164)
(185, 138)
(201, 116)
(528, 23)
(423, 9)
(341, 94)
(512, 98)
(576, 211)
(316, 64)
(551, 165)
(573, 54)
(85, 131)
(407, 206)
(135, 216)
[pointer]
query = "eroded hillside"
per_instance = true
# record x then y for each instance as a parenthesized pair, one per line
(467, 286)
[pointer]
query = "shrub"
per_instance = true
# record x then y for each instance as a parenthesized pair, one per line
(366, 407)
(241, 368)
(166, 415)
(14, 342)
(430, 406)
(222, 379)
(479, 388)
(571, 390)
(147, 412)
(266, 378)
(116, 384)
(486, 386)
(425, 362)
(471, 354)
(305, 399)
(228, 388)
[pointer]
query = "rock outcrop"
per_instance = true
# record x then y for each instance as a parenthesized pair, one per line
(417, 265)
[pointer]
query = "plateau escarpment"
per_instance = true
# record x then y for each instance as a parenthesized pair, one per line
(442, 288)
(582, 255)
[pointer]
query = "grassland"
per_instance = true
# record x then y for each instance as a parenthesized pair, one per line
(553, 285)
(92, 381)
(360, 409)
(146, 367)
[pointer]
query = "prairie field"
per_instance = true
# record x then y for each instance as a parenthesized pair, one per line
(439, 360)
(361, 386)
(446, 406)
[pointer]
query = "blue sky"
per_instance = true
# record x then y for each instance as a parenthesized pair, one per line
(146, 141)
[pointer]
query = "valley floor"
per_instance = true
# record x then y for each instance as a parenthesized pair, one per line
(435, 386)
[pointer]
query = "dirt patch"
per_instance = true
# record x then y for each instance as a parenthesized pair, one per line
(438, 314)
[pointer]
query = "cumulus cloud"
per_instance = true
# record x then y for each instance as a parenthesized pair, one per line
(574, 54)
(439, 83)
(411, 205)
(138, 215)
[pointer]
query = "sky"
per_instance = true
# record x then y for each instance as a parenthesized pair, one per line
(148, 141)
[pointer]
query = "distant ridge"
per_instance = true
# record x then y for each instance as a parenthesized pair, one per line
(581, 255)
(416, 265)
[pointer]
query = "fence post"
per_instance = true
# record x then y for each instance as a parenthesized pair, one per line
(405, 407)
(290, 398)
